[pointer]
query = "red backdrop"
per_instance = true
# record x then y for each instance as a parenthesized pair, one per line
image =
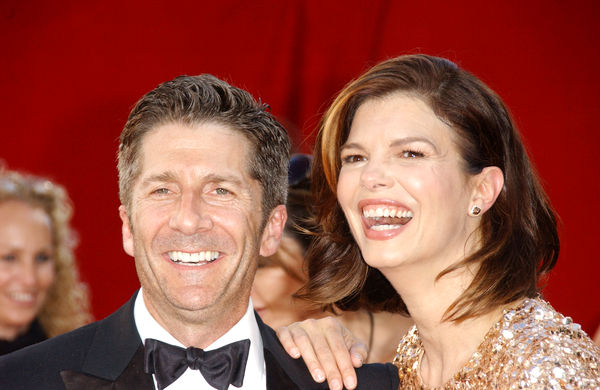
(71, 71)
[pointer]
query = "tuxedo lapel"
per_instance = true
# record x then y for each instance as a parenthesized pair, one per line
(115, 358)
(283, 372)
(132, 378)
(276, 376)
(114, 344)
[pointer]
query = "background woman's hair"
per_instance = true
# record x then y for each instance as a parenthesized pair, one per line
(519, 239)
(67, 304)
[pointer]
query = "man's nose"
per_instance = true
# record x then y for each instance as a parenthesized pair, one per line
(190, 214)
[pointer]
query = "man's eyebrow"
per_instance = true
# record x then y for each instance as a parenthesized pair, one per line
(160, 178)
(214, 178)
(170, 176)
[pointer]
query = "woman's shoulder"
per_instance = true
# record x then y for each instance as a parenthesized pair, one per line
(538, 343)
(535, 325)
(532, 344)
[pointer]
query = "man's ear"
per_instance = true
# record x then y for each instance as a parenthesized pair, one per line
(488, 185)
(126, 231)
(271, 235)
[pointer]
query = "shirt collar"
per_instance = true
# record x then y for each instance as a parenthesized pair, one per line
(245, 328)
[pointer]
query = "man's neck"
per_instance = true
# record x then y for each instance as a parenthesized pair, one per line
(197, 329)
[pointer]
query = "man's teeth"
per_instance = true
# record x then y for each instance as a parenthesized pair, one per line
(22, 297)
(386, 212)
(193, 258)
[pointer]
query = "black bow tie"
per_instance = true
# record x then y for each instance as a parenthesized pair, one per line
(220, 367)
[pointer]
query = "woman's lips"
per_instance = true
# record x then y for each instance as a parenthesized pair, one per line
(383, 219)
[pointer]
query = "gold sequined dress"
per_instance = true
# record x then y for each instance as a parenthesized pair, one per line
(531, 347)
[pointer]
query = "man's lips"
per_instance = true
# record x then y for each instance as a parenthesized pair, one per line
(193, 258)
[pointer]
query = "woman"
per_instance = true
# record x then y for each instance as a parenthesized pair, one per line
(40, 295)
(281, 275)
(435, 192)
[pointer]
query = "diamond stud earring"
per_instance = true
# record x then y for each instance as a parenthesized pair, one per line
(475, 210)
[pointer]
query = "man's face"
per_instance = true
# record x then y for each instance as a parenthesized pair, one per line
(194, 225)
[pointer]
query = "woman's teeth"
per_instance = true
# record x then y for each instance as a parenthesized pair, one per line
(22, 297)
(193, 258)
(386, 218)
(386, 212)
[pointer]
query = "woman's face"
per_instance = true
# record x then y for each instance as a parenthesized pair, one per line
(26, 264)
(402, 185)
(273, 288)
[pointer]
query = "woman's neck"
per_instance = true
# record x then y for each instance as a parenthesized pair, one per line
(447, 345)
(10, 333)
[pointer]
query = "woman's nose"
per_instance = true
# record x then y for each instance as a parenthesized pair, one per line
(27, 273)
(375, 175)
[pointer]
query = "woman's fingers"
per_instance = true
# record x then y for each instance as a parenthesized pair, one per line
(329, 350)
(297, 342)
(339, 342)
(287, 341)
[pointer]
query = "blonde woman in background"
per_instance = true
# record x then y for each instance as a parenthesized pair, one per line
(40, 292)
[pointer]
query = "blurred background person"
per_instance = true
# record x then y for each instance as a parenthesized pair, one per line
(40, 292)
(281, 275)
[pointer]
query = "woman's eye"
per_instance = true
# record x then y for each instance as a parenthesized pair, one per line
(412, 154)
(8, 258)
(353, 158)
(42, 258)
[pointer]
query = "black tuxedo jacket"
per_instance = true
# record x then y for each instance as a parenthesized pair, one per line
(109, 354)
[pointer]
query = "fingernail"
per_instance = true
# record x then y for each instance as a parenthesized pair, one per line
(335, 384)
(319, 376)
(295, 353)
(350, 384)
(358, 356)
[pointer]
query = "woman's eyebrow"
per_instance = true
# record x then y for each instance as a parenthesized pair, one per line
(351, 145)
(407, 140)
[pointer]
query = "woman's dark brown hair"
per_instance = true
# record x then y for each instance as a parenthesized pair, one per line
(519, 239)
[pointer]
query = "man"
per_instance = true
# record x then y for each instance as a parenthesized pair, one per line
(202, 180)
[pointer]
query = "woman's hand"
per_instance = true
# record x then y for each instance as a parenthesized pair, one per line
(329, 350)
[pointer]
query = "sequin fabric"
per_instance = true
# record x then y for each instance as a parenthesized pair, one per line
(531, 347)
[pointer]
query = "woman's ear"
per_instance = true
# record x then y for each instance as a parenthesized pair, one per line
(488, 185)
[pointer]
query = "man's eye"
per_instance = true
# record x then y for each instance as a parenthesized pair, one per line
(353, 158)
(161, 191)
(412, 154)
(222, 191)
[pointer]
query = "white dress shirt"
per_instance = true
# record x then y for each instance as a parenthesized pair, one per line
(245, 328)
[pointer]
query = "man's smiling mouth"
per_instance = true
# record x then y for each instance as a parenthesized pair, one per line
(193, 258)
